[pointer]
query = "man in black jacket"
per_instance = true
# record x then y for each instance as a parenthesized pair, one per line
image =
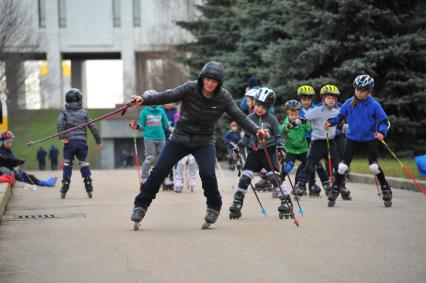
(203, 102)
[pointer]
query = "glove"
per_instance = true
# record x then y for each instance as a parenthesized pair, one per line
(236, 152)
(280, 147)
(379, 136)
(289, 126)
(134, 125)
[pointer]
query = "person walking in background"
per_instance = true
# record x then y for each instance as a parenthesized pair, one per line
(41, 158)
(53, 156)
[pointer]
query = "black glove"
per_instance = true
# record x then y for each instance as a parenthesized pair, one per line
(281, 147)
(236, 152)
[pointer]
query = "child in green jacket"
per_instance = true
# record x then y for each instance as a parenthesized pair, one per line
(294, 129)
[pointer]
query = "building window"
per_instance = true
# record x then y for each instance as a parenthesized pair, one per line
(62, 13)
(136, 13)
(116, 13)
(41, 14)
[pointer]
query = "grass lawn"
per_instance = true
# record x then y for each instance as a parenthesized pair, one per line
(390, 167)
(36, 124)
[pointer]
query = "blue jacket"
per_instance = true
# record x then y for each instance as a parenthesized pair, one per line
(233, 137)
(364, 120)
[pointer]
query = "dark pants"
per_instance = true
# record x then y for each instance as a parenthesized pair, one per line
(22, 176)
(256, 160)
(205, 156)
(369, 148)
(42, 164)
(318, 168)
(77, 148)
(54, 163)
(317, 151)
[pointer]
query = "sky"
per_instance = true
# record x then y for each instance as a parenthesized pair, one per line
(104, 84)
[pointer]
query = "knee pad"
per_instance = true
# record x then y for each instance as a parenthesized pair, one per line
(275, 180)
(245, 179)
(374, 168)
(67, 162)
(342, 168)
(83, 163)
(289, 166)
(150, 160)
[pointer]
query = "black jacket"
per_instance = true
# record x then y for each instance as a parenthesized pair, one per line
(199, 114)
(8, 159)
(269, 122)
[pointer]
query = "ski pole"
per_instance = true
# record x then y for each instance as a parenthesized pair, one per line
(268, 159)
(377, 186)
(137, 158)
(330, 167)
(122, 110)
(404, 168)
(301, 209)
(220, 169)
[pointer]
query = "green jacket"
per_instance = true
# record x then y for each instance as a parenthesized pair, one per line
(295, 139)
(153, 121)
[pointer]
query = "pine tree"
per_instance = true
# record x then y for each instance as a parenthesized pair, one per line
(333, 41)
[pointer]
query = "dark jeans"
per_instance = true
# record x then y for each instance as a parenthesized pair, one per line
(369, 148)
(256, 160)
(205, 156)
(77, 148)
(318, 168)
(317, 151)
(54, 163)
(41, 164)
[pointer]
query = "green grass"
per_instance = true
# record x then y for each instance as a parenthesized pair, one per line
(36, 124)
(390, 167)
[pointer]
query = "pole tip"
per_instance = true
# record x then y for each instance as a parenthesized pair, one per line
(30, 143)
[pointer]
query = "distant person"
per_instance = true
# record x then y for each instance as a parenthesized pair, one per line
(8, 162)
(53, 156)
(41, 158)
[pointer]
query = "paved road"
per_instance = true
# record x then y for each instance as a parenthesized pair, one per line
(93, 240)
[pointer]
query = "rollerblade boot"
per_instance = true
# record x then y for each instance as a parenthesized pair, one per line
(299, 190)
(286, 207)
(137, 216)
(211, 217)
(314, 191)
(88, 185)
(386, 195)
(332, 196)
(263, 185)
(237, 204)
(65, 186)
(168, 185)
(178, 185)
(345, 193)
(327, 188)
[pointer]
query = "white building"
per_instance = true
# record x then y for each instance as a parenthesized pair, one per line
(139, 32)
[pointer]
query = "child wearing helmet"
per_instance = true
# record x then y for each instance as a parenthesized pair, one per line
(322, 140)
(306, 93)
(9, 163)
(256, 157)
(75, 142)
(368, 123)
(294, 128)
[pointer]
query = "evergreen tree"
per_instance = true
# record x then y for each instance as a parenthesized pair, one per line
(332, 41)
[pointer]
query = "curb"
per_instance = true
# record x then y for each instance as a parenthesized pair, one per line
(5, 195)
(395, 183)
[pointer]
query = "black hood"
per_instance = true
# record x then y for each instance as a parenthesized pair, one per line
(214, 70)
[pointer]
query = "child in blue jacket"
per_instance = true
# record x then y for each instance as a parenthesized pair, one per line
(367, 122)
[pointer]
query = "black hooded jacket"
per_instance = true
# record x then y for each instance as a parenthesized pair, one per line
(198, 113)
